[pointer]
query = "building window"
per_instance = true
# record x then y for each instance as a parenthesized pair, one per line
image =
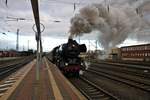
(145, 54)
(145, 47)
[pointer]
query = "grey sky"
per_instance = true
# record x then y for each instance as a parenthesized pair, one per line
(50, 11)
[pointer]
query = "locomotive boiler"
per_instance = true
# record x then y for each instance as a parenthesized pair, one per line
(66, 57)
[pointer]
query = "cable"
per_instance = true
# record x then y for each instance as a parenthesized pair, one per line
(64, 2)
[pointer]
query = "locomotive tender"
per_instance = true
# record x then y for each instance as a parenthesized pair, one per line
(66, 57)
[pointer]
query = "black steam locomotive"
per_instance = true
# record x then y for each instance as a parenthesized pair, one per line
(66, 57)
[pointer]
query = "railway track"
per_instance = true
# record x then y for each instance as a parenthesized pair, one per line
(10, 83)
(138, 71)
(7, 62)
(123, 62)
(9, 69)
(131, 62)
(126, 65)
(90, 90)
(125, 79)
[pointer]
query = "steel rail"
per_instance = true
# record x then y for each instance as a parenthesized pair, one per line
(91, 91)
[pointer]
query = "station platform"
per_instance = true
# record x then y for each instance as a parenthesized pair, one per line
(52, 85)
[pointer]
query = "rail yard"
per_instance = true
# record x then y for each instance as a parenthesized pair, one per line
(101, 80)
(74, 50)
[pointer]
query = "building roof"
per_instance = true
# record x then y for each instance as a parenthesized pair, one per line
(136, 45)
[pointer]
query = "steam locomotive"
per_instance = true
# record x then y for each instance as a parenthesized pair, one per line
(66, 57)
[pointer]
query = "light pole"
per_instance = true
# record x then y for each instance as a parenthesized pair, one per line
(89, 51)
(3, 33)
(28, 45)
(17, 40)
(96, 46)
(79, 39)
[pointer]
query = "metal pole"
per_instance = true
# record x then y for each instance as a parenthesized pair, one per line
(35, 9)
(28, 45)
(89, 51)
(23, 48)
(41, 50)
(17, 41)
(0, 40)
(96, 45)
(38, 61)
(89, 45)
(79, 39)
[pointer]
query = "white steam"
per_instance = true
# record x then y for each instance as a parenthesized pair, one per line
(114, 23)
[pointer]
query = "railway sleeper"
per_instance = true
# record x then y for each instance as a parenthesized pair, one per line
(6, 85)
(130, 82)
(146, 87)
(98, 92)
(99, 97)
(3, 89)
(89, 88)
(10, 81)
(1, 94)
(92, 90)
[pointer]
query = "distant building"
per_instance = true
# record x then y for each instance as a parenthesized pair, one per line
(136, 52)
(132, 53)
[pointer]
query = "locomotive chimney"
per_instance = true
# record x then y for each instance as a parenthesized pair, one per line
(70, 40)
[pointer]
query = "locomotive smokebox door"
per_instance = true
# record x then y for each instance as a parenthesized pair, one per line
(83, 48)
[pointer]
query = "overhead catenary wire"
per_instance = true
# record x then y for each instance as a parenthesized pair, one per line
(64, 2)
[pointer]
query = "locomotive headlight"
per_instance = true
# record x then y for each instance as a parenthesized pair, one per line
(66, 64)
(81, 72)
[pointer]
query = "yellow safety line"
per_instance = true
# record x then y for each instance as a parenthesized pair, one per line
(56, 90)
(77, 92)
(81, 97)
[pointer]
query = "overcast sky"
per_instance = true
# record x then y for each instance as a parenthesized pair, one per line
(50, 11)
